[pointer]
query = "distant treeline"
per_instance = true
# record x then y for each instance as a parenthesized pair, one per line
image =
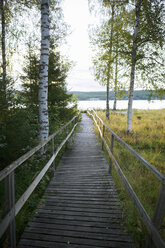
(101, 95)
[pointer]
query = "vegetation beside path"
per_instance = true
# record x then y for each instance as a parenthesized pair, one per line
(148, 139)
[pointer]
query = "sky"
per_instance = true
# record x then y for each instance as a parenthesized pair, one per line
(77, 15)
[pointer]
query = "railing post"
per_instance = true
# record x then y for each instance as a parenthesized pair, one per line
(110, 162)
(103, 137)
(159, 214)
(66, 130)
(10, 204)
(53, 153)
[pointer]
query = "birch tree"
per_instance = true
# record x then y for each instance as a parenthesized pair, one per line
(110, 60)
(43, 72)
(132, 78)
(116, 69)
(147, 45)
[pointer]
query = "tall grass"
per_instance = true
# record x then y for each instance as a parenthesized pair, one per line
(148, 139)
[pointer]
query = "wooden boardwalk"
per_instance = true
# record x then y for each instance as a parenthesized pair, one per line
(80, 207)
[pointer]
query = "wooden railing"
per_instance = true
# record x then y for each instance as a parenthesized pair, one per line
(12, 208)
(153, 226)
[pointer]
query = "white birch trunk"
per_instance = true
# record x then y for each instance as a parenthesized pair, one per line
(107, 101)
(116, 71)
(132, 79)
(109, 64)
(43, 73)
(116, 74)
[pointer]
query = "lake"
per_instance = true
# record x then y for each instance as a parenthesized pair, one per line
(121, 104)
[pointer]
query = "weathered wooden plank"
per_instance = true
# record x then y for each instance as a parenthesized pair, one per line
(74, 222)
(85, 200)
(35, 243)
(9, 207)
(80, 194)
(99, 218)
(80, 234)
(84, 210)
(102, 207)
(72, 240)
(53, 212)
(116, 230)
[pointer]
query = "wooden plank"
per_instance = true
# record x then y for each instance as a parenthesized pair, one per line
(9, 206)
(35, 243)
(160, 209)
(80, 234)
(159, 214)
(80, 213)
(85, 204)
(80, 209)
(66, 226)
(72, 240)
(74, 222)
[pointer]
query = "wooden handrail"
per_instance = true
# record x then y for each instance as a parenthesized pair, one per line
(149, 166)
(7, 170)
(153, 226)
(8, 173)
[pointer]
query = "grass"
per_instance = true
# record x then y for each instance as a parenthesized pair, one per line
(148, 139)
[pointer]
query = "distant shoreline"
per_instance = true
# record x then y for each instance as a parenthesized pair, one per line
(101, 95)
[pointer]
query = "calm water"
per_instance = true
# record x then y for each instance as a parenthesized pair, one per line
(122, 104)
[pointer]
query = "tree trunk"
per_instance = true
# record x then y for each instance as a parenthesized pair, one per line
(109, 64)
(116, 71)
(43, 73)
(107, 102)
(132, 79)
(3, 46)
(115, 100)
(3, 86)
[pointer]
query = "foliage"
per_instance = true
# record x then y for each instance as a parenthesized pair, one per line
(58, 98)
(13, 123)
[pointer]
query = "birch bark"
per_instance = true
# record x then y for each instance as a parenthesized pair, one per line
(109, 63)
(116, 76)
(132, 79)
(116, 69)
(43, 72)
(107, 97)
